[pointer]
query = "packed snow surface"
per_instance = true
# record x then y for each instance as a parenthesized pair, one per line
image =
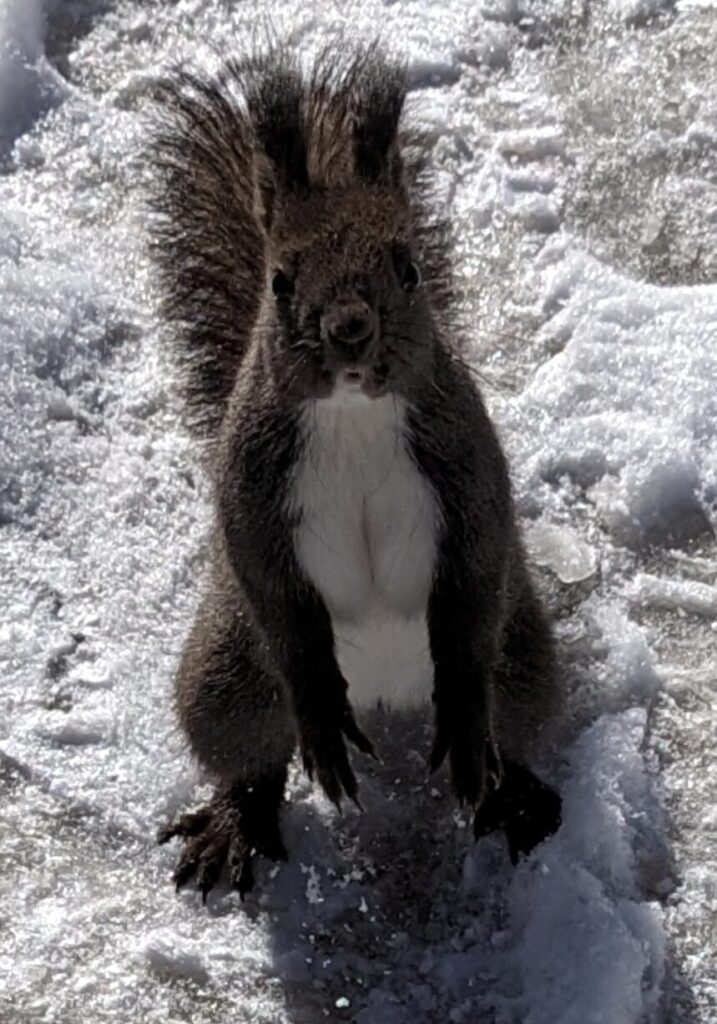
(573, 146)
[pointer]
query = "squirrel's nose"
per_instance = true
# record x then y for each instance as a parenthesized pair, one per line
(350, 328)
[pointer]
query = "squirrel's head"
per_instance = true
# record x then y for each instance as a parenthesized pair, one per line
(343, 304)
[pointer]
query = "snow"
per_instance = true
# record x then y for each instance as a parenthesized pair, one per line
(604, 407)
(575, 158)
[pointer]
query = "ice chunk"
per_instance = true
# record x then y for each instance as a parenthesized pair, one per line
(688, 595)
(532, 143)
(562, 550)
(75, 731)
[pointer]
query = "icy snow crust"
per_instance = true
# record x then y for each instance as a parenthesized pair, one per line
(574, 150)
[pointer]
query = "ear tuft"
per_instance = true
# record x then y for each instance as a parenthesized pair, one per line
(274, 93)
(380, 95)
(338, 124)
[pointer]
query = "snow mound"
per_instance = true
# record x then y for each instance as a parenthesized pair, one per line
(623, 413)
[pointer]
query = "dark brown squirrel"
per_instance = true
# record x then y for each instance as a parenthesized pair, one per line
(365, 547)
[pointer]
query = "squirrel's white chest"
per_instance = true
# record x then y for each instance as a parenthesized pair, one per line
(367, 536)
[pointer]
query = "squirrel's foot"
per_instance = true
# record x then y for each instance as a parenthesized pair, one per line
(525, 808)
(230, 830)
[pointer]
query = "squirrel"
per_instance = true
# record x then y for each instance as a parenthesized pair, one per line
(365, 546)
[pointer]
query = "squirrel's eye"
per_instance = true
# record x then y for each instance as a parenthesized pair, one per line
(282, 284)
(411, 277)
(408, 274)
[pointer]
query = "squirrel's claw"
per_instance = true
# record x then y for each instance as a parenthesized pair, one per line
(359, 739)
(476, 768)
(439, 750)
(323, 749)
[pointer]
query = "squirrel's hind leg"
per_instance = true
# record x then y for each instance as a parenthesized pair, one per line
(240, 821)
(526, 809)
(236, 718)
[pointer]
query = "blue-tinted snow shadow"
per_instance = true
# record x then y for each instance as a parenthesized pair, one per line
(38, 91)
(366, 895)
(395, 916)
(35, 67)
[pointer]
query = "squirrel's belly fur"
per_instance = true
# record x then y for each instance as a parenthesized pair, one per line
(366, 535)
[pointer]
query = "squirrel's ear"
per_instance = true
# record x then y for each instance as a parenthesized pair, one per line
(378, 111)
(275, 101)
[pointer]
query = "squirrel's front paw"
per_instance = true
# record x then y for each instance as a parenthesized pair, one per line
(323, 750)
(476, 768)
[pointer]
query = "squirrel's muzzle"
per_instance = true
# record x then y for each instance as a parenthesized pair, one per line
(349, 329)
